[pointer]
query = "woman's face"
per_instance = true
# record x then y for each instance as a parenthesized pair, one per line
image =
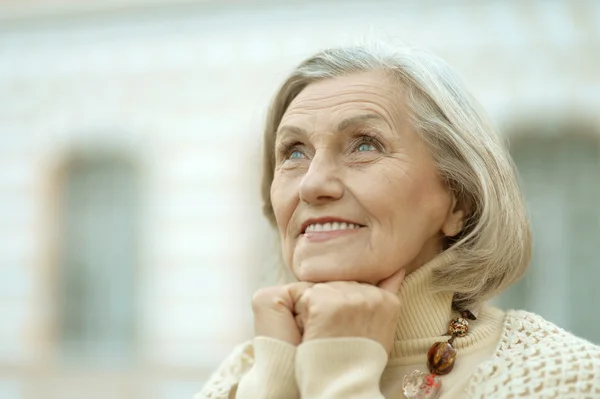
(356, 194)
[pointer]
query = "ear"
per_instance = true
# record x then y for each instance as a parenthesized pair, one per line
(455, 219)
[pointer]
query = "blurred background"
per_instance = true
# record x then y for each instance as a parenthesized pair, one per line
(131, 234)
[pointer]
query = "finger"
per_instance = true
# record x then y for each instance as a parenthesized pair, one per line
(301, 303)
(296, 290)
(393, 282)
(300, 323)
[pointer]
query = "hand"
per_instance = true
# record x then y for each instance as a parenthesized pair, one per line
(350, 309)
(273, 309)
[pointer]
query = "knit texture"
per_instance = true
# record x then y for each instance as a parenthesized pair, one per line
(534, 359)
(224, 382)
(504, 355)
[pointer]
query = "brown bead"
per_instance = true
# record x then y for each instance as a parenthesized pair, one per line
(440, 358)
(458, 327)
(467, 314)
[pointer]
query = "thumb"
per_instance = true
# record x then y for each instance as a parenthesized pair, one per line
(393, 282)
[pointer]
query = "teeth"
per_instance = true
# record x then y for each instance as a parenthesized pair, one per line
(331, 226)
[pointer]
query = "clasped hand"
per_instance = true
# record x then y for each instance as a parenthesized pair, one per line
(300, 312)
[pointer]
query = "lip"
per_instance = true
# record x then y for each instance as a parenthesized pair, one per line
(326, 219)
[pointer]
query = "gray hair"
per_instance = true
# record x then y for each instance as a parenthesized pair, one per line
(494, 248)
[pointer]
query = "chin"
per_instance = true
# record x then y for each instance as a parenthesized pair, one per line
(321, 271)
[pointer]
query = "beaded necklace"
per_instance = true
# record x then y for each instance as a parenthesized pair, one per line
(440, 361)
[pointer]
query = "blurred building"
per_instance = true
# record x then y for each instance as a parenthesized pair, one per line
(131, 237)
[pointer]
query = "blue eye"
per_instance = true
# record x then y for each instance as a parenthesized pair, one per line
(296, 155)
(366, 147)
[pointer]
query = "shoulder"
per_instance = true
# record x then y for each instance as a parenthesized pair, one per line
(229, 373)
(536, 358)
(527, 330)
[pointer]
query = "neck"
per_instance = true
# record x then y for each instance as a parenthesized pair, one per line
(425, 314)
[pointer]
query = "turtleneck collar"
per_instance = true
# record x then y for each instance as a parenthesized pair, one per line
(425, 315)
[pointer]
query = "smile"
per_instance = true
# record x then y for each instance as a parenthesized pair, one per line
(322, 227)
(321, 232)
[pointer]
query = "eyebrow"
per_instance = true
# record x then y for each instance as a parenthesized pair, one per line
(343, 125)
(355, 120)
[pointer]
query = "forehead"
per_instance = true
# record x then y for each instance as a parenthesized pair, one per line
(370, 92)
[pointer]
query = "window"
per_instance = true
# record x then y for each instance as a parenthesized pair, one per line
(99, 250)
(560, 177)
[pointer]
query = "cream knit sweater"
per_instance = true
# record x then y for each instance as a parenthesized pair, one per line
(512, 355)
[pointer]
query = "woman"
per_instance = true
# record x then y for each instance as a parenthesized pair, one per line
(399, 215)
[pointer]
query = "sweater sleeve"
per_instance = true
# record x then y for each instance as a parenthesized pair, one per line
(272, 375)
(340, 368)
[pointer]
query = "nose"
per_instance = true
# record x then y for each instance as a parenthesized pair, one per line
(321, 183)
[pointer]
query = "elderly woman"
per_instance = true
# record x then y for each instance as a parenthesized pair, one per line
(399, 215)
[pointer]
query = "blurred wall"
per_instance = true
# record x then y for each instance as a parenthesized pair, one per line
(131, 237)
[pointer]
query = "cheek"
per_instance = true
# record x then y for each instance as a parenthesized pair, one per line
(389, 193)
(284, 199)
(432, 197)
(426, 210)
(406, 203)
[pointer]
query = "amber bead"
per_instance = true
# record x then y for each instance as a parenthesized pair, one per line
(467, 314)
(458, 327)
(440, 358)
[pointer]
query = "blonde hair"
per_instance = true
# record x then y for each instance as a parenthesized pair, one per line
(494, 248)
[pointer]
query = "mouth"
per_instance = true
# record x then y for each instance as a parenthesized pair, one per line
(328, 224)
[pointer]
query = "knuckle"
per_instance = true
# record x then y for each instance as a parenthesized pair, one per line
(265, 296)
(307, 296)
(320, 286)
(355, 300)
